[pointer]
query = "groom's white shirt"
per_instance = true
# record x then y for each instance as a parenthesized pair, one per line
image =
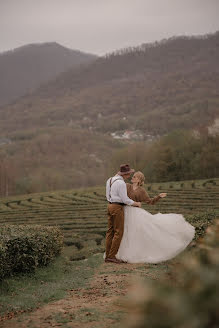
(118, 191)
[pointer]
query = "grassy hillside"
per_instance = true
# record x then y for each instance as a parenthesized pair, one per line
(93, 293)
(81, 213)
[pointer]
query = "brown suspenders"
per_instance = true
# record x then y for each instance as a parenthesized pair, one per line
(111, 186)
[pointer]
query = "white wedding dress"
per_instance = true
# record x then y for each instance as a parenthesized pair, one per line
(154, 238)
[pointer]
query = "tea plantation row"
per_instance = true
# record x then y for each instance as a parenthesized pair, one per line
(81, 214)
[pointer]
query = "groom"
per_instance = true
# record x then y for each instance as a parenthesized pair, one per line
(116, 194)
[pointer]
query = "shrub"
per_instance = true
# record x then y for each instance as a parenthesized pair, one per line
(191, 301)
(201, 222)
(24, 247)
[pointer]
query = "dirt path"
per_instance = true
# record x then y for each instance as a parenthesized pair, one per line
(98, 305)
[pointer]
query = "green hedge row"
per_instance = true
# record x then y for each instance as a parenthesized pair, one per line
(24, 247)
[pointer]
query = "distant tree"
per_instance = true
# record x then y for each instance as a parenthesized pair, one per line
(181, 156)
(135, 154)
(7, 178)
(177, 156)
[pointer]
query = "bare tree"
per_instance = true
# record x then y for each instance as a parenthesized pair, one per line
(7, 178)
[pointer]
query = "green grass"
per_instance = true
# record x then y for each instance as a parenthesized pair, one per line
(26, 292)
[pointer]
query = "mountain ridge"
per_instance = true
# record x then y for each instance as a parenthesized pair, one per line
(42, 44)
(25, 68)
(178, 77)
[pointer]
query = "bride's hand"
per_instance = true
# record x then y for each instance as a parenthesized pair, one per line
(137, 204)
(163, 194)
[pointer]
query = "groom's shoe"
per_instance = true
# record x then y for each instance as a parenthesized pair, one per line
(113, 261)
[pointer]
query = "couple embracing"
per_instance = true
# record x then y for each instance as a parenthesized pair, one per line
(135, 235)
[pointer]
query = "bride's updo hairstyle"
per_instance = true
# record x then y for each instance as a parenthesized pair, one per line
(141, 177)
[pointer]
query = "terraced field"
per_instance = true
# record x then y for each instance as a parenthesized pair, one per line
(81, 214)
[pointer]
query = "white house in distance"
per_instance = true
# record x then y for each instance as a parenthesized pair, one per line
(4, 141)
(132, 135)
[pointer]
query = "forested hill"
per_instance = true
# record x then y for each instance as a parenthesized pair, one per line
(25, 68)
(59, 136)
(154, 87)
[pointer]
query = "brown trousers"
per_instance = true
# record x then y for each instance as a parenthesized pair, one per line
(115, 229)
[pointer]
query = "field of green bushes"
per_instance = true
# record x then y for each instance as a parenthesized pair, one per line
(81, 214)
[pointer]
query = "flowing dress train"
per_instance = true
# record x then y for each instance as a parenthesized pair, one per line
(151, 238)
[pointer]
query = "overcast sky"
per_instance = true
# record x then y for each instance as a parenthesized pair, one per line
(101, 26)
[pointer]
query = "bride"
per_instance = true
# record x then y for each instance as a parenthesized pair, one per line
(151, 238)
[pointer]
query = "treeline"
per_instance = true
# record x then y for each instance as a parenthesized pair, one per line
(181, 155)
(54, 159)
(162, 43)
(7, 178)
(72, 160)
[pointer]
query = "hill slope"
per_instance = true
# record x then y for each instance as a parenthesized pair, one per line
(155, 88)
(58, 136)
(25, 68)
